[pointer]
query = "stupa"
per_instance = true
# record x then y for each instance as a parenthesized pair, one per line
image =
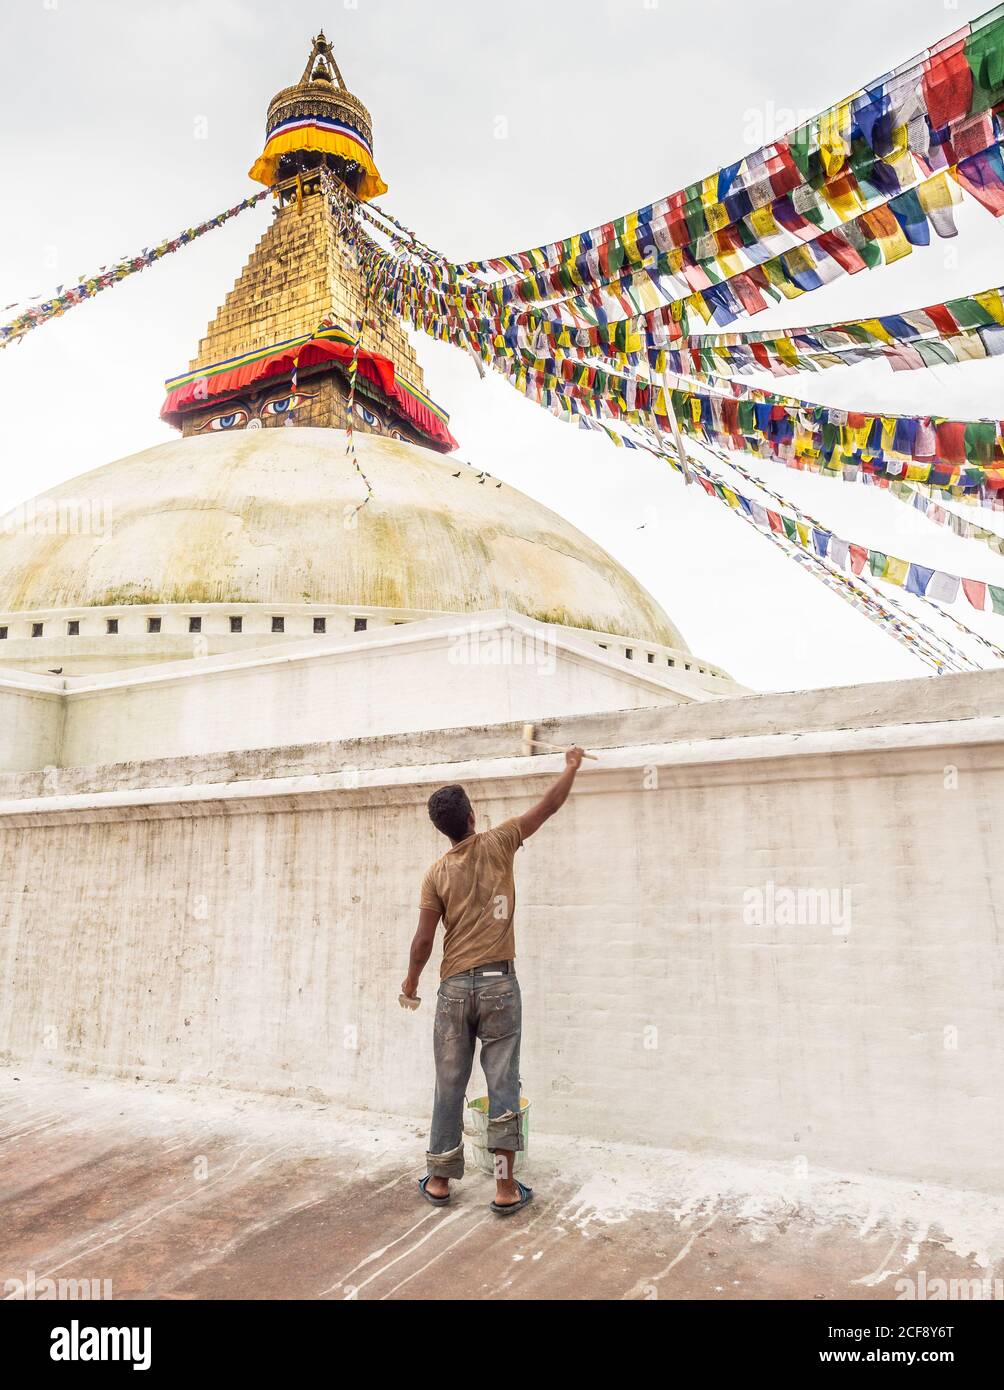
(248, 530)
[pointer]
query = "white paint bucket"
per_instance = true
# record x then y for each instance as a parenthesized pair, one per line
(476, 1130)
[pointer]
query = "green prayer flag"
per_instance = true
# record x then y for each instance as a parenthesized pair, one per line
(979, 441)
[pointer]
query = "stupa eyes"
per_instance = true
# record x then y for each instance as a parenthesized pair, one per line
(374, 421)
(285, 405)
(252, 415)
(232, 421)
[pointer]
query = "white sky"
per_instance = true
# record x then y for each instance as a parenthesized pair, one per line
(607, 104)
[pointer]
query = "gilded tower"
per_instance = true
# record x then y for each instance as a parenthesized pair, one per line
(278, 351)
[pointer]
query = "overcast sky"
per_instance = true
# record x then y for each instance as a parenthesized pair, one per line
(496, 128)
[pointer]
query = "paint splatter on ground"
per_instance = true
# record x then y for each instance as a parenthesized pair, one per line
(180, 1192)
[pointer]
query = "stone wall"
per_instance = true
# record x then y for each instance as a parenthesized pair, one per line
(764, 926)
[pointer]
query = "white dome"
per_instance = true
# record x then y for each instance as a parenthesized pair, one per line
(266, 517)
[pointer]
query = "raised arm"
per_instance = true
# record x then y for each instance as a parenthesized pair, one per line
(555, 796)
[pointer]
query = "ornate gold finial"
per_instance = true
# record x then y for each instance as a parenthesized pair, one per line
(321, 54)
(319, 121)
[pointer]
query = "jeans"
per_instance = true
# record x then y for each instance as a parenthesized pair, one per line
(481, 1003)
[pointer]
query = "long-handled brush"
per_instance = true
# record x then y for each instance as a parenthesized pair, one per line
(529, 743)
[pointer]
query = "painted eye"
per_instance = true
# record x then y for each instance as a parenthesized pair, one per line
(372, 420)
(232, 421)
(280, 406)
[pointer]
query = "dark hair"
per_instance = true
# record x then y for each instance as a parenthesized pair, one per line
(450, 811)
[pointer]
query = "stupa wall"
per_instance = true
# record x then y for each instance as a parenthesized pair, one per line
(244, 920)
(455, 671)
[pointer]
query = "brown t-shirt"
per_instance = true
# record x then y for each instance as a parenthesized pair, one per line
(472, 886)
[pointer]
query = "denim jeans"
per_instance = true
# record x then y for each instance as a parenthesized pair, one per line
(482, 1003)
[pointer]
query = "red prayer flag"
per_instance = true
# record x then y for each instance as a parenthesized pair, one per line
(976, 592)
(835, 244)
(948, 86)
(942, 319)
(859, 557)
(748, 294)
(951, 441)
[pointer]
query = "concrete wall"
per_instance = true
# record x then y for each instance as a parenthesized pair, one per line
(166, 920)
(398, 679)
(31, 715)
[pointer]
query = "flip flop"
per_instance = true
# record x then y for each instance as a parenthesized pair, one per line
(436, 1201)
(525, 1194)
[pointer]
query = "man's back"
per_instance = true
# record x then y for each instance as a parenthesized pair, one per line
(472, 886)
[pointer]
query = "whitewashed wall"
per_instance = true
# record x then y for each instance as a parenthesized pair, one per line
(255, 933)
(425, 675)
(31, 716)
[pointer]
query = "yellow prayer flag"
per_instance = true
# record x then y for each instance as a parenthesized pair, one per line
(699, 303)
(991, 301)
(763, 221)
(901, 162)
(896, 570)
(877, 330)
(650, 297)
(900, 144)
(716, 217)
(730, 263)
(894, 247)
(939, 192)
(774, 271)
(843, 198)
(833, 144)
(629, 239)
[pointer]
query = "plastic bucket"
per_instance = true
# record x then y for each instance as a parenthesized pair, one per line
(476, 1130)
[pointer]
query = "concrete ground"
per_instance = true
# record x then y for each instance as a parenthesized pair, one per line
(177, 1192)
